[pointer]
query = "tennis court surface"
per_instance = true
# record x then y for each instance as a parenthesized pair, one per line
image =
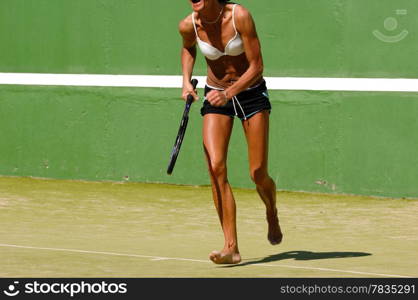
(59, 228)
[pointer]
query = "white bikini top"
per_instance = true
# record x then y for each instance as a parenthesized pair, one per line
(234, 47)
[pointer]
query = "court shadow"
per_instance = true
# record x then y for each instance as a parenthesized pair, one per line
(300, 255)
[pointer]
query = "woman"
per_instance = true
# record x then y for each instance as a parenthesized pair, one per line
(226, 35)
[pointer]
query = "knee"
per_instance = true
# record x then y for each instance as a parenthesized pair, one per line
(258, 175)
(217, 170)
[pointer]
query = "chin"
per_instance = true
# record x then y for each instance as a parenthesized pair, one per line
(198, 6)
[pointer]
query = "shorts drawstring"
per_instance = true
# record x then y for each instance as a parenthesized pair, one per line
(255, 100)
(235, 99)
(235, 109)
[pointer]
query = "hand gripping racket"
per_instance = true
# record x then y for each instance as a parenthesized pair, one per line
(182, 131)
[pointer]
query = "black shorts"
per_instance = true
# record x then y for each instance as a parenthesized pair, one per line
(244, 105)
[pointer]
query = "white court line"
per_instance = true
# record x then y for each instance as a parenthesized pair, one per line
(174, 81)
(104, 253)
(159, 258)
(334, 270)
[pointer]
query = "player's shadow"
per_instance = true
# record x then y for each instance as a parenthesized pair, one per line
(301, 255)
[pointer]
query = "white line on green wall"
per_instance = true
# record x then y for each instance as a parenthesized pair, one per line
(173, 81)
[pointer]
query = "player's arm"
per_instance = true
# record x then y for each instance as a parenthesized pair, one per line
(246, 27)
(188, 55)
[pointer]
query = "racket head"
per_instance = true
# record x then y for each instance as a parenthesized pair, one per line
(177, 145)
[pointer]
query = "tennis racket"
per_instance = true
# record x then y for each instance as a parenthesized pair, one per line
(181, 132)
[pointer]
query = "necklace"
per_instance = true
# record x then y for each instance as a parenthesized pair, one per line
(217, 19)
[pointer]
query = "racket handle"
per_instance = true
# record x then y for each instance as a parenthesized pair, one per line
(190, 97)
(194, 82)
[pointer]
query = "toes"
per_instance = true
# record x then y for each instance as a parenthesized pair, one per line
(214, 255)
(275, 240)
(220, 258)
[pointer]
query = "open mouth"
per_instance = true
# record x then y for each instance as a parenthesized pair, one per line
(196, 1)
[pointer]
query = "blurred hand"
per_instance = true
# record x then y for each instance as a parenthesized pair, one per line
(188, 90)
(217, 98)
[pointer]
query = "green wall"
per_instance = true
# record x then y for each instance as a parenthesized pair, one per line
(299, 37)
(336, 142)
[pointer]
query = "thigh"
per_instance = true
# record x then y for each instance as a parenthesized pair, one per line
(217, 130)
(256, 131)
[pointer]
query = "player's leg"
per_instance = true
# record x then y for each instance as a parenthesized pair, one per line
(216, 134)
(256, 131)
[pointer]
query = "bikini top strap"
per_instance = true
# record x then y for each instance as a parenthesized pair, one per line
(194, 25)
(233, 17)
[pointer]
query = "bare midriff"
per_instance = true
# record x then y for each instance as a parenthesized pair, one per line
(223, 72)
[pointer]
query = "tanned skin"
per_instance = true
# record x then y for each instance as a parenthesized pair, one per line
(234, 74)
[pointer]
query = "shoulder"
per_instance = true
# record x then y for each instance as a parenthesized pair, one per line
(185, 26)
(241, 13)
(243, 20)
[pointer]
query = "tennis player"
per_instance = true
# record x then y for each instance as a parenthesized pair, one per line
(227, 37)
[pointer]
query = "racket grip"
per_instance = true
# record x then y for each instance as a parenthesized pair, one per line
(190, 99)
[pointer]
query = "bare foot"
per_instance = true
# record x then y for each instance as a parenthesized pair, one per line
(225, 258)
(275, 235)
